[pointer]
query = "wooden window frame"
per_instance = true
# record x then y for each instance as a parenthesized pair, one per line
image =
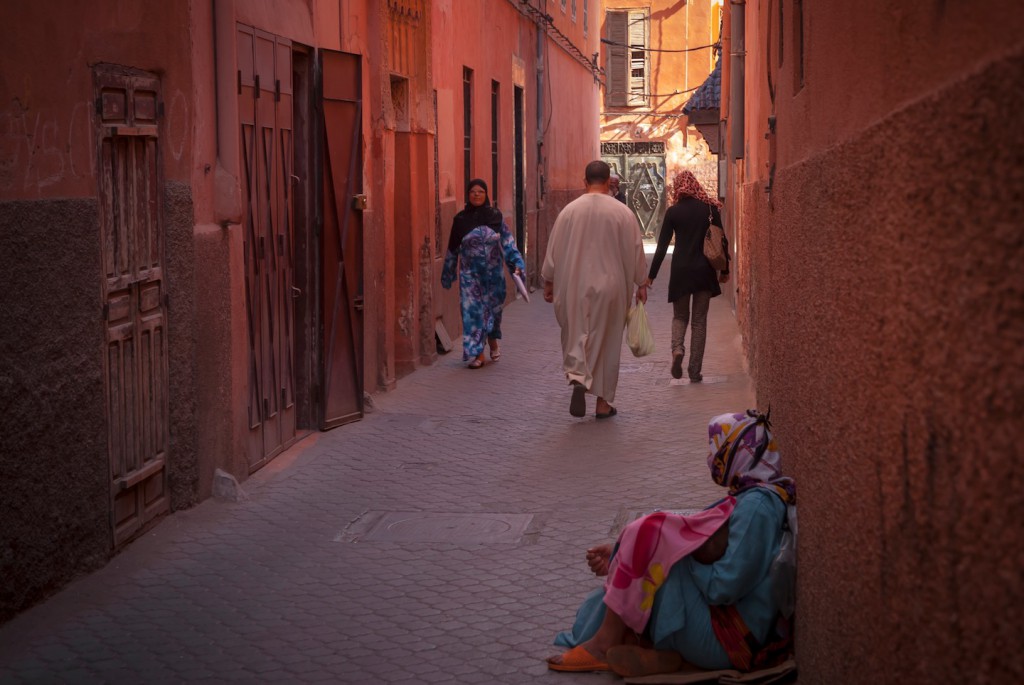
(625, 89)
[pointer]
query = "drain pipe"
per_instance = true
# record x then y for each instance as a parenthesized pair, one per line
(227, 197)
(737, 55)
(540, 108)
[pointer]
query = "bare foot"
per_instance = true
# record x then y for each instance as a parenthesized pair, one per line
(602, 406)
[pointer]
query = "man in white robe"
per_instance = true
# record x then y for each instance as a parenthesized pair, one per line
(595, 256)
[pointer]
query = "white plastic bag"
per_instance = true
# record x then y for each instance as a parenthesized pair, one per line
(638, 331)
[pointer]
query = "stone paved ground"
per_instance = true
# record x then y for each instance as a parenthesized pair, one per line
(338, 567)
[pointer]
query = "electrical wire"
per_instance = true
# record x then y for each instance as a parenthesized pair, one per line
(638, 48)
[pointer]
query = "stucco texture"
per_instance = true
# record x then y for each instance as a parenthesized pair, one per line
(182, 464)
(54, 493)
(882, 301)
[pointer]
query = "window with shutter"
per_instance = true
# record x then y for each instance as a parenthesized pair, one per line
(617, 86)
(637, 95)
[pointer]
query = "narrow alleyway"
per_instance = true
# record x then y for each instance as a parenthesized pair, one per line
(440, 540)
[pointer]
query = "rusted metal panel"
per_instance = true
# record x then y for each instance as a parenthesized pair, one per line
(136, 358)
(342, 249)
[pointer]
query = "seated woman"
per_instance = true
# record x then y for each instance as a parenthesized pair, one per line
(700, 588)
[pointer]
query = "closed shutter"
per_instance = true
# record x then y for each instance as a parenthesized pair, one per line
(637, 59)
(618, 62)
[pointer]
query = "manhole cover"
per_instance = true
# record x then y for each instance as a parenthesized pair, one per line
(419, 526)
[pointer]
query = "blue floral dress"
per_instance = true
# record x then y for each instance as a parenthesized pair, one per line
(480, 260)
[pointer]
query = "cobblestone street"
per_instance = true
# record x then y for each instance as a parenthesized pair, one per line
(439, 540)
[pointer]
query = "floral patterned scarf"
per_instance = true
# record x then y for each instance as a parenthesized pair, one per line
(742, 454)
(685, 183)
(647, 550)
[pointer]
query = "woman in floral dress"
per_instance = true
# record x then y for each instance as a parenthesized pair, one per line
(479, 246)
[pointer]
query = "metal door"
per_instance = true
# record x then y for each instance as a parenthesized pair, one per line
(265, 113)
(134, 297)
(641, 165)
(342, 247)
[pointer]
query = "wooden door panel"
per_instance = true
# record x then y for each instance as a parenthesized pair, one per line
(136, 366)
(268, 157)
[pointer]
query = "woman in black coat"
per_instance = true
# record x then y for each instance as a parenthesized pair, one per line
(692, 279)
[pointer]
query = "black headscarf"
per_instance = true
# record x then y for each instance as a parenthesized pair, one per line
(471, 217)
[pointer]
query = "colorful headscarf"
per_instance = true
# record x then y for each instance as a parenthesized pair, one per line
(685, 183)
(742, 455)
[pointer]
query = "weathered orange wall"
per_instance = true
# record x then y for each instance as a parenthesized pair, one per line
(882, 305)
(674, 26)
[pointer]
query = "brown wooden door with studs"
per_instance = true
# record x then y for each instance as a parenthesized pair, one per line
(135, 301)
(265, 112)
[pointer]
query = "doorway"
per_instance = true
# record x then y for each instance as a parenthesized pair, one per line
(520, 170)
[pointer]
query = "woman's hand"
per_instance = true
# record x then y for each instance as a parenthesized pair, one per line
(723, 277)
(598, 558)
(549, 291)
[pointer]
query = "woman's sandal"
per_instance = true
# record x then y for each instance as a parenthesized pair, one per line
(476, 363)
(495, 355)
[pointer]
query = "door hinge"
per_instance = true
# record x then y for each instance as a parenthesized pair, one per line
(257, 79)
(357, 302)
(106, 311)
(160, 110)
(239, 81)
(277, 90)
(99, 106)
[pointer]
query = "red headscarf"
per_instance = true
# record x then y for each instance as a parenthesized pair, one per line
(685, 183)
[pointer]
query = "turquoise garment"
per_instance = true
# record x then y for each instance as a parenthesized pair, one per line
(480, 259)
(680, 619)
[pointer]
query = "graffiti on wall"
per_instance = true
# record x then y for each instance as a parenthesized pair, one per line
(41, 148)
(38, 149)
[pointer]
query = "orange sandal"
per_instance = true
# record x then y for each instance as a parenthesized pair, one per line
(578, 660)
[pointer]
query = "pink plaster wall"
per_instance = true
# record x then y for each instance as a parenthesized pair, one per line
(880, 298)
(52, 331)
(570, 100)
(46, 100)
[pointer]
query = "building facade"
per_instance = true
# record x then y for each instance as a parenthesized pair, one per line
(655, 54)
(874, 196)
(223, 225)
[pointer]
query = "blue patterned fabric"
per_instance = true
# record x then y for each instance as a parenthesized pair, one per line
(680, 618)
(479, 264)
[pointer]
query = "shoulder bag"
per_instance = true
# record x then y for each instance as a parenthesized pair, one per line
(714, 241)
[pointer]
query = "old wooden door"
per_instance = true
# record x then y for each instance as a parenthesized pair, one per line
(134, 296)
(342, 246)
(265, 113)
